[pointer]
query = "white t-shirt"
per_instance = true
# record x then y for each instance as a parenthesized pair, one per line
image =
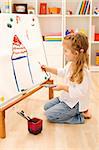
(77, 92)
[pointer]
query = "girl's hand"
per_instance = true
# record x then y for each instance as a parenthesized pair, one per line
(61, 87)
(43, 67)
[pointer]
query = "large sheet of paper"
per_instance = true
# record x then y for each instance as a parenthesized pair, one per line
(21, 50)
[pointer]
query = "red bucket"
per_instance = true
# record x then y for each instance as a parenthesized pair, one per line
(35, 125)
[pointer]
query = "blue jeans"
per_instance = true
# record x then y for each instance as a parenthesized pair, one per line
(59, 112)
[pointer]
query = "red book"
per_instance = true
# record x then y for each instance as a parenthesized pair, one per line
(43, 8)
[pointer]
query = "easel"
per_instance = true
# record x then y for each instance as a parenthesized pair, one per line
(2, 110)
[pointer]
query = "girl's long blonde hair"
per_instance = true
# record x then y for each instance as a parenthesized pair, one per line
(79, 43)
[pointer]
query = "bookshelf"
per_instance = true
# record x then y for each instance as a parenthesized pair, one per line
(95, 36)
(69, 17)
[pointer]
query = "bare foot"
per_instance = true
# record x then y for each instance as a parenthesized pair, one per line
(87, 114)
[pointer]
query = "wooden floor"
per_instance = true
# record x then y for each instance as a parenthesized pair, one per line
(53, 136)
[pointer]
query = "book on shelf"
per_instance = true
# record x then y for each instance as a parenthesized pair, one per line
(97, 57)
(54, 34)
(5, 6)
(83, 7)
(78, 8)
(88, 8)
(53, 38)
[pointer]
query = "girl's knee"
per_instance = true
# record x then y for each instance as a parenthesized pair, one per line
(46, 106)
(49, 115)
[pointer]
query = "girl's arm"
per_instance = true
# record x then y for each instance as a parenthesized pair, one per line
(61, 87)
(49, 69)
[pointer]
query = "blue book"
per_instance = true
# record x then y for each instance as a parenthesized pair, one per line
(86, 7)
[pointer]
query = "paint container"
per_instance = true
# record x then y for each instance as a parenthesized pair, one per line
(35, 126)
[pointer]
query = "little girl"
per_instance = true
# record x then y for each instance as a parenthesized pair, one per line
(72, 106)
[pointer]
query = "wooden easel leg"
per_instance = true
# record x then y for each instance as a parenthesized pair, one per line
(51, 93)
(2, 124)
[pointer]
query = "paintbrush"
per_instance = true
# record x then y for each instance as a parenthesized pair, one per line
(43, 69)
(25, 115)
(22, 114)
(19, 113)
